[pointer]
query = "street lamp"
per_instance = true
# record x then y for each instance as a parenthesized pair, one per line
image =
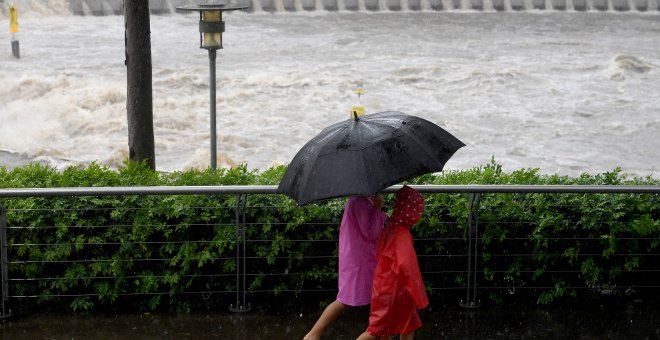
(211, 27)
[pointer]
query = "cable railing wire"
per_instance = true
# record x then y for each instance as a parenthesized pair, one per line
(253, 258)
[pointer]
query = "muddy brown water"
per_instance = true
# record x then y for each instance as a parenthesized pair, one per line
(632, 320)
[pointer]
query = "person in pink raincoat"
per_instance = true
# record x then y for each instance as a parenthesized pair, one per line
(360, 227)
(398, 288)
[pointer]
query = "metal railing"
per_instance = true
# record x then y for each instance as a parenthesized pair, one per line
(470, 256)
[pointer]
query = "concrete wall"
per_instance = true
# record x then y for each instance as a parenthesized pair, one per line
(114, 7)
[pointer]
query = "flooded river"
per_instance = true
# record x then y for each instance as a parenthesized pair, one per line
(565, 92)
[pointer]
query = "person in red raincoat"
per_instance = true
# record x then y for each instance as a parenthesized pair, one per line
(398, 289)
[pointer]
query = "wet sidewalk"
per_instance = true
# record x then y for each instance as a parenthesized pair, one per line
(633, 320)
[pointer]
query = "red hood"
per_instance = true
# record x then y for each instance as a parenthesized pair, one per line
(408, 208)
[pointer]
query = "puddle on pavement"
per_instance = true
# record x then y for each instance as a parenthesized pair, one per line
(628, 321)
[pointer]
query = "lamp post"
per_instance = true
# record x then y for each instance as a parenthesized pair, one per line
(211, 27)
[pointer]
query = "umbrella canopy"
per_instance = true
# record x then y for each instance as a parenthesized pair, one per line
(364, 155)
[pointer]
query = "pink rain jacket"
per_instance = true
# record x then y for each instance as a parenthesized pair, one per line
(358, 232)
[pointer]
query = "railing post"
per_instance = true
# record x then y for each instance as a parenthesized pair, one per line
(4, 271)
(473, 252)
(241, 288)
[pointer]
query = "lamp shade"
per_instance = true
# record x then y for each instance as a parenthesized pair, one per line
(211, 25)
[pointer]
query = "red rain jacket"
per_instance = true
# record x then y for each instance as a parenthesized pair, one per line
(398, 289)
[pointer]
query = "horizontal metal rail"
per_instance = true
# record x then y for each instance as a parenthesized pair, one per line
(271, 189)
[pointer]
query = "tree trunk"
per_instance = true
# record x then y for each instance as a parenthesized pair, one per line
(139, 105)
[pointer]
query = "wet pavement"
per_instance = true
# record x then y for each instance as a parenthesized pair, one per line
(632, 320)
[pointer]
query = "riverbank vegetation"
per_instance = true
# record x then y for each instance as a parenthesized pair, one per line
(178, 252)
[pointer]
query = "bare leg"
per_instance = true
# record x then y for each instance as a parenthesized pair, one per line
(367, 336)
(329, 315)
(407, 336)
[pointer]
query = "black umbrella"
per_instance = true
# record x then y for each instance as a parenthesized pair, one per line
(364, 155)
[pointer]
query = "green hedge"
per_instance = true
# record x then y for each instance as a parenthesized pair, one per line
(93, 249)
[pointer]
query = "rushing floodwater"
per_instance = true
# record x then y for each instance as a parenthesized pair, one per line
(564, 92)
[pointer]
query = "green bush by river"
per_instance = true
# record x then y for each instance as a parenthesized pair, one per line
(177, 252)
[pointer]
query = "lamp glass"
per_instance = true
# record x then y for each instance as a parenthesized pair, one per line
(212, 39)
